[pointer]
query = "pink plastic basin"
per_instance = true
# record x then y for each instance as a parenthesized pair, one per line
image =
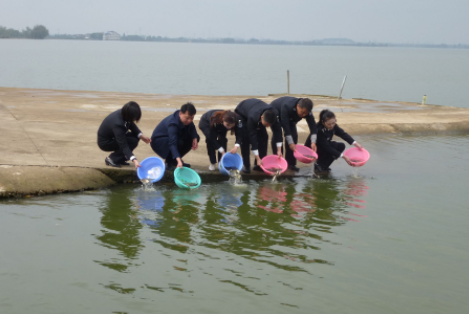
(272, 161)
(301, 151)
(357, 156)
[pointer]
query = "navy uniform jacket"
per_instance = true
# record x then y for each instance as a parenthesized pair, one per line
(325, 137)
(286, 106)
(251, 111)
(212, 133)
(173, 129)
(114, 127)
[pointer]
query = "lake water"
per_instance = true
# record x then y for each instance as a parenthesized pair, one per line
(392, 238)
(396, 74)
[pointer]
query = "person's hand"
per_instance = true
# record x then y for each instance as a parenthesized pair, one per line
(179, 160)
(292, 147)
(314, 147)
(259, 161)
(195, 144)
(136, 163)
(347, 160)
(147, 140)
(358, 145)
(234, 150)
(279, 152)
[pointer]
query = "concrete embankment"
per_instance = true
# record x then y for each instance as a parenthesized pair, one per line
(48, 141)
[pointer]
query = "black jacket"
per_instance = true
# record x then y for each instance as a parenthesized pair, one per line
(325, 138)
(172, 128)
(212, 133)
(251, 110)
(286, 106)
(114, 127)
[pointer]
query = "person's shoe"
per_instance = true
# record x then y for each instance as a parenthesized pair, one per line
(111, 163)
(212, 167)
(186, 165)
(257, 168)
(320, 169)
(294, 168)
(246, 169)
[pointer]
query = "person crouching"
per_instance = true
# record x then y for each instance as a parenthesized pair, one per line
(328, 150)
(175, 136)
(215, 124)
(120, 135)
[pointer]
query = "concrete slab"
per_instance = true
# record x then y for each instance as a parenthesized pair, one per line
(59, 128)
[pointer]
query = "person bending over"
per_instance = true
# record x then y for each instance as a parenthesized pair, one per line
(119, 134)
(291, 111)
(174, 137)
(254, 117)
(215, 124)
(328, 150)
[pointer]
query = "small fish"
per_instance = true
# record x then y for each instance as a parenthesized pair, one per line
(310, 156)
(279, 171)
(274, 169)
(355, 160)
(189, 183)
(234, 173)
(145, 181)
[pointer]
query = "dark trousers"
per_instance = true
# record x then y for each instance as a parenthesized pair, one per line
(262, 140)
(184, 146)
(211, 150)
(291, 160)
(325, 159)
(112, 146)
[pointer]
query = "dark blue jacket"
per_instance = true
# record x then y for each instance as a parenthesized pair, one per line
(217, 131)
(286, 106)
(172, 129)
(325, 137)
(251, 110)
(114, 127)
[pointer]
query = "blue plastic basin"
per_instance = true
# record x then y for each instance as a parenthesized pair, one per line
(230, 160)
(152, 168)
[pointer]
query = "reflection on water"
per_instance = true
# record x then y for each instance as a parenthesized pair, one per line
(281, 225)
(372, 243)
(121, 231)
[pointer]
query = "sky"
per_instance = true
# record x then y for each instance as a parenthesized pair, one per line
(391, 21)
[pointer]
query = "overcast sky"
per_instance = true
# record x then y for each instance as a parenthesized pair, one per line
(394, 21)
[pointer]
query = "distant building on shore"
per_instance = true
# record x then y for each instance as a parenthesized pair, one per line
(111, 35)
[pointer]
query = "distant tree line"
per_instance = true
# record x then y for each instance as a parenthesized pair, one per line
(319, 42)
(37, 32)
(41, 32)
(92, 36)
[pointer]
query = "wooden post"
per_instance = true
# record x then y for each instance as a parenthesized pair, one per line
(288, 82)
(342, 88)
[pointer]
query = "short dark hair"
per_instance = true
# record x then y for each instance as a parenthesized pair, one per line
(189, 108)
(326, 115)
(270, 117)
(131, 112)
(306, 103)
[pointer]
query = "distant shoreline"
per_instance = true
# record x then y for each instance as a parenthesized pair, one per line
(232, 41)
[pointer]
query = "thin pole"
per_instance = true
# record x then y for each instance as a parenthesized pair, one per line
(342, 88)
(288, 81)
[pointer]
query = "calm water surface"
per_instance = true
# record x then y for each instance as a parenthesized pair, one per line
(403, 74)
(392, 238)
